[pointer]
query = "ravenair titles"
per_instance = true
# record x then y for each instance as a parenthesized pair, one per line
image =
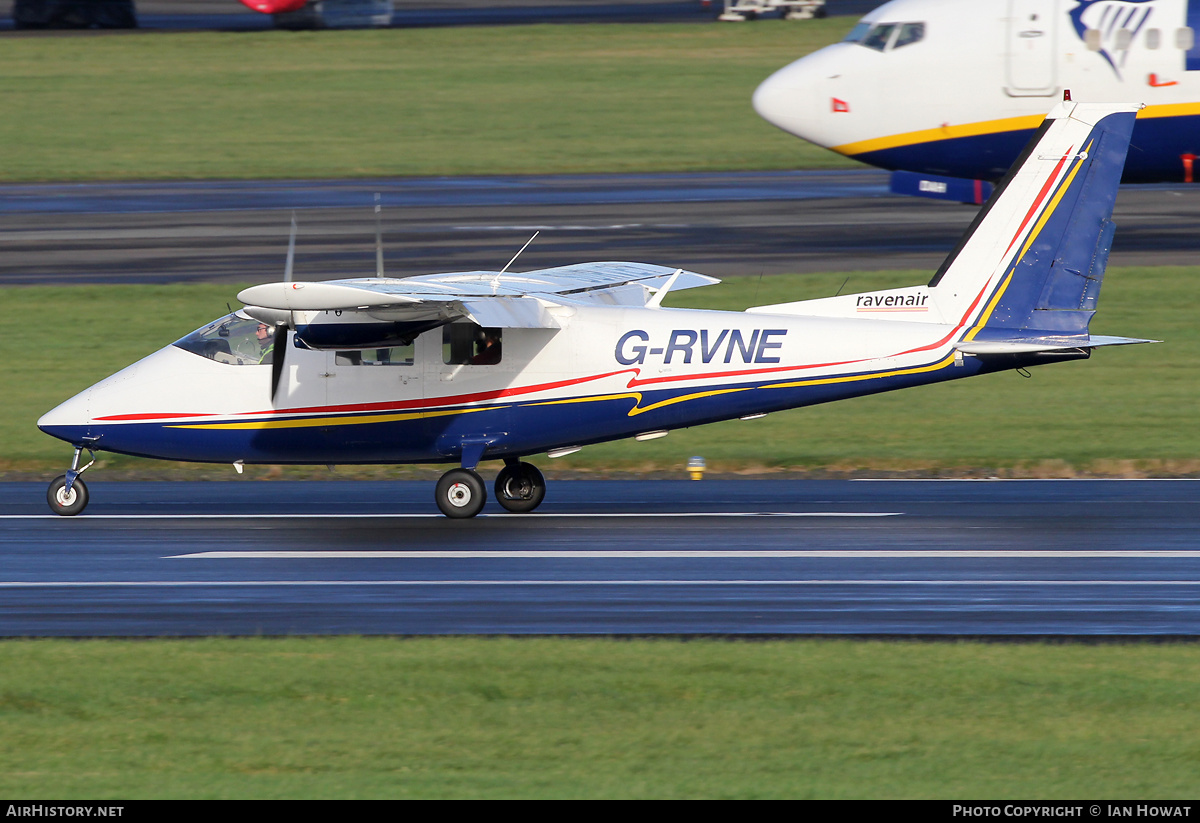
(912, 301)
(637, 347)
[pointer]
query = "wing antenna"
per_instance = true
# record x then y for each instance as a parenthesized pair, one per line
(518, 254)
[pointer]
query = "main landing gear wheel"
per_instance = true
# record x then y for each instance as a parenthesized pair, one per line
(67, 503)
(461, 493)
(520, 487)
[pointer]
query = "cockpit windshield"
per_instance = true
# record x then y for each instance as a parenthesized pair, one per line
(878, 36)
(235, 340)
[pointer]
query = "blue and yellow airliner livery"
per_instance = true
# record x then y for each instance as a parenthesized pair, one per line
(474, 366)
(946, 90)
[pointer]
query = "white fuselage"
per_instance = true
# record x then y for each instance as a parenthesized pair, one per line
(955, 87)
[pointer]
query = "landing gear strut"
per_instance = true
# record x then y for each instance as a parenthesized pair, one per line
(520, 487)
(68, 494)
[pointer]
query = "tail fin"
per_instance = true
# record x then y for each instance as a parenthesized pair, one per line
(1031, 264)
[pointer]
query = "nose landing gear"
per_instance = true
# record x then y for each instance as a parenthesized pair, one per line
(68, 494)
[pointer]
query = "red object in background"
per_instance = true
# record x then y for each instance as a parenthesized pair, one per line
(1188, 160)
(274, 6)
(840, 105)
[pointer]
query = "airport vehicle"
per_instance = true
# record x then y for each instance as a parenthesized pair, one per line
(494, 365)
(946, 92)
(307, 14)
(74, 14)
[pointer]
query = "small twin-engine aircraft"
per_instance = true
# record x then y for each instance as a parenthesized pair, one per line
(477, 366)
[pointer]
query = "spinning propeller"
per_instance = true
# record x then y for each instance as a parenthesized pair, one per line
(279, 343)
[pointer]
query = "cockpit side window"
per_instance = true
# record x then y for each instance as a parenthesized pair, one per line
(857, 33)
(909, 33)
(395, 356)
(234, 340)
(877, 38)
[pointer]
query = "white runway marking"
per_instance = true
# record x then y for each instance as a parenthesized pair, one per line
(69, 584)
(656, 554)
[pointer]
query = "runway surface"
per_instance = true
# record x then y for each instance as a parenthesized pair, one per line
(1085, 558)
(723, 224)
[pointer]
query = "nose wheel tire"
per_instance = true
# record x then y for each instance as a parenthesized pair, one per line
(461, 493)
(67, 503)
(520, 487)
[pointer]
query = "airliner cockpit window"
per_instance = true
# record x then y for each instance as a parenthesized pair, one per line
(909, 33)
(877, 38)
(857, 33)
(236, 340)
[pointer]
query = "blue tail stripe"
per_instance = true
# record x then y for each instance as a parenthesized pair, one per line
(1055, 283)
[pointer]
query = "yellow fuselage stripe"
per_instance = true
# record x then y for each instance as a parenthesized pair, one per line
(948, 132)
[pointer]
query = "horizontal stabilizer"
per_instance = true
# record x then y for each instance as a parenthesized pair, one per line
(1030, 345)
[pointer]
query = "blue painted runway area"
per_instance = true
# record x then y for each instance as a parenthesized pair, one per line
(510, 190)
(999, 558)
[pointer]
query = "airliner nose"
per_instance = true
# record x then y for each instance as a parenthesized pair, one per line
(770, 99)
(784, 98)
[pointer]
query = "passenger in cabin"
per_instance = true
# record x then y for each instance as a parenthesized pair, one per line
(487, 345)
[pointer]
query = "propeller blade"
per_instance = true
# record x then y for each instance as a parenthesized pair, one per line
(291, 255)
(278, 353)
(378, 240)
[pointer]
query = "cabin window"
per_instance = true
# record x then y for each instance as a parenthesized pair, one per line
(1091, 39)
(1123, 39)
(857, 33)
(468, 344)
(1185, 38)
(1153, 38)
(395, 356)
(235, 340)
(877, 38)
(909, 33)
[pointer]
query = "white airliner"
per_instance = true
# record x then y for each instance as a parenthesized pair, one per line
(952, 89)
(476, 366)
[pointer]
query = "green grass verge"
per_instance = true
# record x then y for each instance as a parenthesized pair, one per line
(1126, 412)
(593, 718)
(484, 100)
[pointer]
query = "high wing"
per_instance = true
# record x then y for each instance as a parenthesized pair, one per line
(498, 299)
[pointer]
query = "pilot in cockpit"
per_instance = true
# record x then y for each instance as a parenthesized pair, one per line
(266, 341)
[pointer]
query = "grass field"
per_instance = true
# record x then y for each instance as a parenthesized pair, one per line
(482, 100)
(1125, 412)
(591, 718)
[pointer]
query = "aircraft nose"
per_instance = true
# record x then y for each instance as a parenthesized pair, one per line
(69, 421)
(785, 100)
(770, 100)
